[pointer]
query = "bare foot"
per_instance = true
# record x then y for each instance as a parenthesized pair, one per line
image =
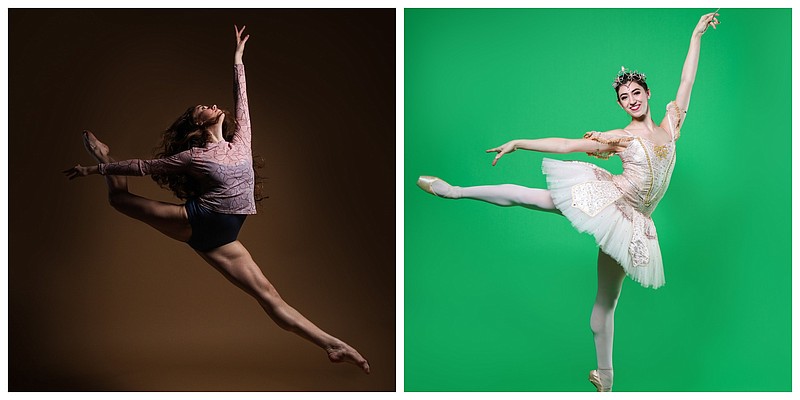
(96, 148)
(342, 352)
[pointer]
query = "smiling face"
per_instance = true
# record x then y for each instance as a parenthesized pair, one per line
(207, 115)
(633, 98)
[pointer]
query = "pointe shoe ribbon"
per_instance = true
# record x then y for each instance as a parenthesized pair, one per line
(594, 377)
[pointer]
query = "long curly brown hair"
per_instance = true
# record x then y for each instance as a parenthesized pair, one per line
(184, 134)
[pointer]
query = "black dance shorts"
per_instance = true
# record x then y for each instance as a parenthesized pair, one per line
(211, 229)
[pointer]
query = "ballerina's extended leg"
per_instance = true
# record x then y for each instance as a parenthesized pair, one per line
(502, 195)
(235, 263)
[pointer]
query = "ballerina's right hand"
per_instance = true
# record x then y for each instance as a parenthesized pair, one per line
(501, 151)
(76, 172)
(705, 21)
(240, 41)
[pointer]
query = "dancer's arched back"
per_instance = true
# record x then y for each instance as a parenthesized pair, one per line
(207, 160)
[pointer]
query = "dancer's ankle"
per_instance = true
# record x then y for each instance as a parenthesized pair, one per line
(446, 190)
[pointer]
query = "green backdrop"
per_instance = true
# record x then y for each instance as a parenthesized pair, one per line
(498, 299)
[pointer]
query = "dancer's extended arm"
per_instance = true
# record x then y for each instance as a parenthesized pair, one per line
(559, 145)
(690, 65)
(178, 163)
(241, 106)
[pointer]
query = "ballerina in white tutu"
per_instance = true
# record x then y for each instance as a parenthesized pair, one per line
(615, 209)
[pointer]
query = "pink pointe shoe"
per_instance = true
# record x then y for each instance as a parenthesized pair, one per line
(426, 183)
(597, 380)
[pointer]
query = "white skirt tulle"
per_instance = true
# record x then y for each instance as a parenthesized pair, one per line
(614, 227)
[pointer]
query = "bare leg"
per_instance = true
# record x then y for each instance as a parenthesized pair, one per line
(501, 195)
(232, 260)
(235, 263)
(169, 219)
(610, 276)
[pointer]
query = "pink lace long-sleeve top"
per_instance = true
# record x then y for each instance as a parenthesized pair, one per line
(225, 169)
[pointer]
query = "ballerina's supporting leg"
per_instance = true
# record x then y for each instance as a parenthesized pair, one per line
(232, 259)
(502, 195)
(610, 276)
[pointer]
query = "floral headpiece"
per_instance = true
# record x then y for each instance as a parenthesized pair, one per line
(628, 75)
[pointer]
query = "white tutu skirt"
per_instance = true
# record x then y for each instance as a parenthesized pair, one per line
(585, 194)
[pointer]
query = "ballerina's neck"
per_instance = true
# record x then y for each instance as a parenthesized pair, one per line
(648, 125)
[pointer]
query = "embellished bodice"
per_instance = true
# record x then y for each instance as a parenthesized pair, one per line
(632, 195)
(647, 171)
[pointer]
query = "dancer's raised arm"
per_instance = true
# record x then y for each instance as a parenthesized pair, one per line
(592, 142)
(690, 65)
(241, 106)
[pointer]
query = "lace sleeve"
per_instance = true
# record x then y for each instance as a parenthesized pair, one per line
(241, 107)
(604, 138)
(676, 116)
(169, 165)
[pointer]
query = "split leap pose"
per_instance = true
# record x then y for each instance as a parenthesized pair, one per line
(615, 209)
(207, 160)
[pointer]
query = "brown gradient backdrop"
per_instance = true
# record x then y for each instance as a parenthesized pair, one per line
(99, 301)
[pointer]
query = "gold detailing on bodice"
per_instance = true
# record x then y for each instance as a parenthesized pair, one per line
(615, 141)
(660, 151)
(650, 167)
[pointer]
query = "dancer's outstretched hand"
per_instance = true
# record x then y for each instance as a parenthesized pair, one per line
(240, 42)
(705, 21)
(502, 150)
(77, 171)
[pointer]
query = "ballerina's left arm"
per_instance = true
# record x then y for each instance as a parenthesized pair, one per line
(690, 69)
(241, 105)
(594, 143)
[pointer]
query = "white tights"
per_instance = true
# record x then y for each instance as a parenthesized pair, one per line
(610, 274)
(501, 195)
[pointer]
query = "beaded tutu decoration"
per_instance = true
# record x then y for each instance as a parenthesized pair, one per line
(616, 209)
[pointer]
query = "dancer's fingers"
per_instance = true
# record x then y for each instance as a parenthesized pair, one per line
(496, 158)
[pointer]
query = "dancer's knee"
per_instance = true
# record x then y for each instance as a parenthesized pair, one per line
(279, 311)
(267, 295)
(536, 198)
(514, 195)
